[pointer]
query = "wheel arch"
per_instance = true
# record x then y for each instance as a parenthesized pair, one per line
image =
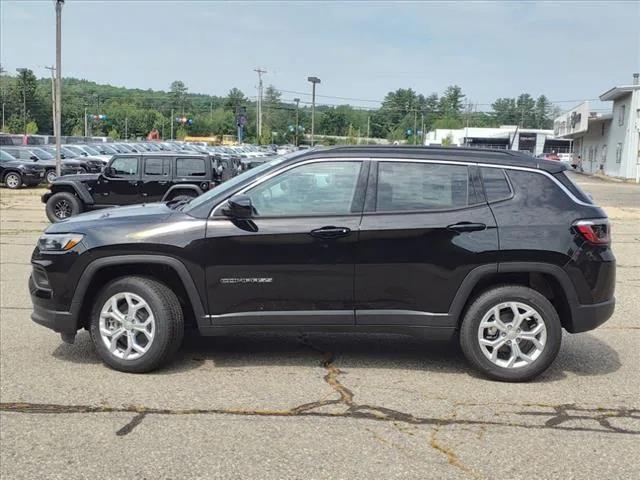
(168, 270)
(178, 188)
(73, 187)
(548, 279)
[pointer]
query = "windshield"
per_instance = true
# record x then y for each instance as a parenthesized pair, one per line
(75, 150)
(5, 156)
(230, 184)
(108, 149)
(91, 150)
(42, 154)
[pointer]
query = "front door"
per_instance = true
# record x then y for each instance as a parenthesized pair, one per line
(293, 262)
(156, 178)
(425, 227)
(122, 185)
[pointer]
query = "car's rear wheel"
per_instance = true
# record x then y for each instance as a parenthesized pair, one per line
(62, 205)
(51, 176)
(136, 324)
(13, 180)
(511, 333)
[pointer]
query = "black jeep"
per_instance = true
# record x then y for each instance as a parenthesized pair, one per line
(131, 178)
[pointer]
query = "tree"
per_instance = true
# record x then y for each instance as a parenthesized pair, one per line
(451, 102)
(505, 111)
(525, 106)
(178, 93)
(32, 128)
(544, 113)
(234, 98)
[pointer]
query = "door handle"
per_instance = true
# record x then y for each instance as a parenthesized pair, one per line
(467, 227)
(162, 183)
(145, 194)
(330, 232)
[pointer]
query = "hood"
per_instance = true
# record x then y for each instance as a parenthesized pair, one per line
(80, 177)
(133, 215)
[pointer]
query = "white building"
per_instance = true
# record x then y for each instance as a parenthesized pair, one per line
(511, 137)
(607, 143)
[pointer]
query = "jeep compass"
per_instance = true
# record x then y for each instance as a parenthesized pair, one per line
(495, 248)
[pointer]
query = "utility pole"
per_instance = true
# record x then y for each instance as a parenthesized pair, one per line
(126, 128)
(368, 128)
(23, 72)
(314, 81)
(260, 72)
(297, 100)
(415, 126)
(171, 120)
(2, 70)
(86, 123)
(59, 4)
(422, 130)
(53, 96)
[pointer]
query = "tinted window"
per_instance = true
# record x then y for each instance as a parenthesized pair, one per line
(190, 167)
(496, 186)
(421, 186)
(157, 167)
(125, 166)
(325, 188)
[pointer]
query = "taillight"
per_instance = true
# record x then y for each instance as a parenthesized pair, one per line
(596, 231)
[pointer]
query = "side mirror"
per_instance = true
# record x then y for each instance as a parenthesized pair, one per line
(239, 206)
(34, 158)
(108, 172)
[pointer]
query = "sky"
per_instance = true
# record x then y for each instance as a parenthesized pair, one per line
(361, 50)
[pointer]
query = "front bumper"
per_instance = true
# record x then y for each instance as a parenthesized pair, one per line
(46, 315)
(588, 317)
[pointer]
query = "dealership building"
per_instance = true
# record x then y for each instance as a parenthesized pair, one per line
(507, 137)
(607, 143)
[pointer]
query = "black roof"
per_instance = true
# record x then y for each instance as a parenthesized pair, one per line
(451, 154)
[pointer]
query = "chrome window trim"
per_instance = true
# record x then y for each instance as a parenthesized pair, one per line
(409, 160)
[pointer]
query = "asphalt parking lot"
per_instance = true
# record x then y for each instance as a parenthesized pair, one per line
(316, 406)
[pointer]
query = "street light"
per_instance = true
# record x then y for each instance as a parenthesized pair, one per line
(313, 81)
(297, 100)
(23, 72)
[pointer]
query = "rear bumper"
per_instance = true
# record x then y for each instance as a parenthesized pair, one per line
(588, 317)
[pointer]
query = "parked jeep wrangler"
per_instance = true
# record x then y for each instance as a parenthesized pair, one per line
(129, 179)
(494, 247)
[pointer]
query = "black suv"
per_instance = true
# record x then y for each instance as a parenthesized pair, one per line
(44, 159)
(496, 247)
(128, 179)
(14, 173)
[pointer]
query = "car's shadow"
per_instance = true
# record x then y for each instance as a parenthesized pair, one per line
(584, 355)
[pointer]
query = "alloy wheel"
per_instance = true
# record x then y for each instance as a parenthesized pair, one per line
(127, 326)
(512, 335)
(12, 180)
(51, 176)
(62, 209)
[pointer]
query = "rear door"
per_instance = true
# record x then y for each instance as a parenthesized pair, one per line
(156, 178)
(425, 226)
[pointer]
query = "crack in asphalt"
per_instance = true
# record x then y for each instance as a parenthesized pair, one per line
(556, 420)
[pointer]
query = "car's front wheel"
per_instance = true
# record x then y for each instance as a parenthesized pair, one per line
(136, 324)
(62, 205)
(511, 333)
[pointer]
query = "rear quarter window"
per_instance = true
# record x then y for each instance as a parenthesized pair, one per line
(190, 167)
(565, 179)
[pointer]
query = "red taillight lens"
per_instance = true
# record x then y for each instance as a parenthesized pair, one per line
(596, 232)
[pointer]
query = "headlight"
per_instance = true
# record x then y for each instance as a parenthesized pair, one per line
(58, 242)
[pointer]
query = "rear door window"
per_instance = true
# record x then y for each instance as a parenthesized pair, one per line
(416, 186)
(157, 167)
(190, 167)
(496, 185)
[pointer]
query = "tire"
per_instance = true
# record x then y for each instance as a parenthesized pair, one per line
(13, 180)
(167, 331)
(62, 205)
(512, 341)
(50, 176)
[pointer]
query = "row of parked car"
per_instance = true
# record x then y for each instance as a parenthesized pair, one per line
(30, 165)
